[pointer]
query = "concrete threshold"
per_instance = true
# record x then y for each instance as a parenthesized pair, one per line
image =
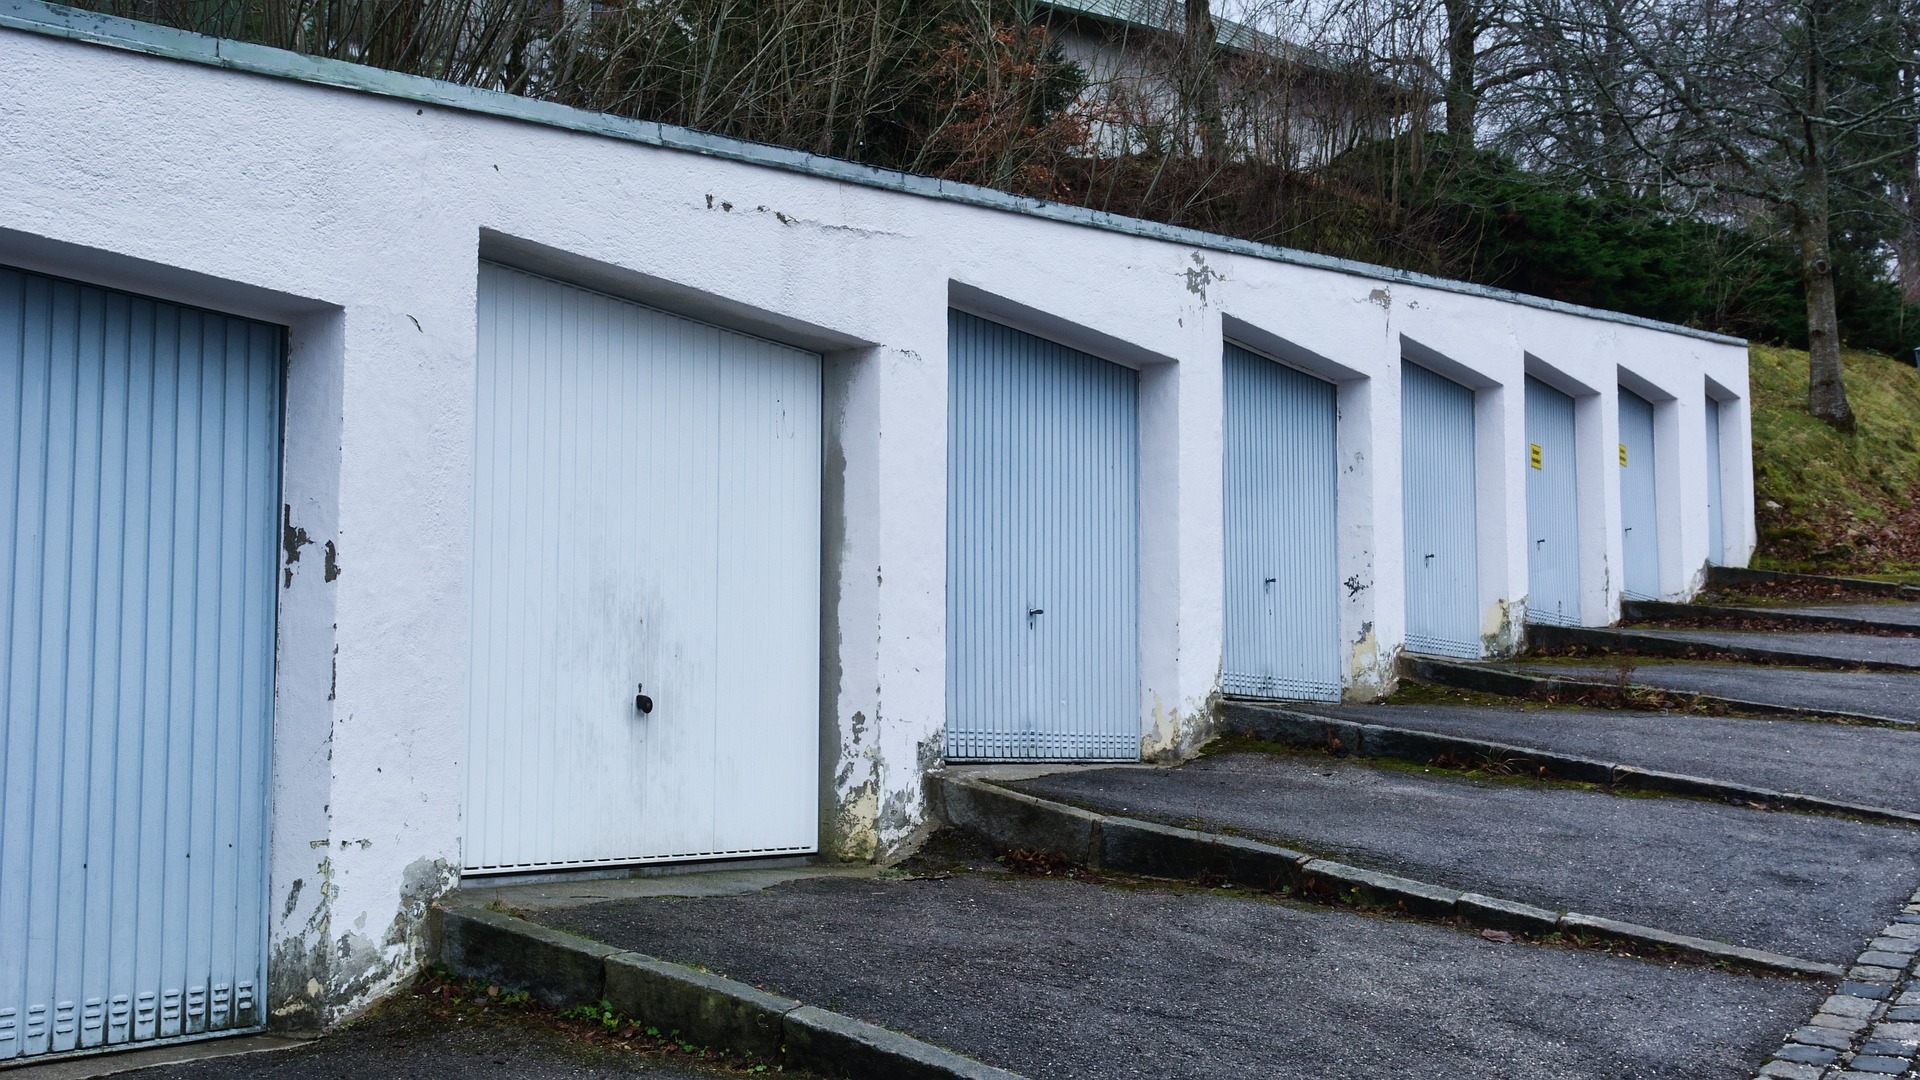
(1487, 679)
(562, 969)
(1543, 636)
(1308, 730)
(89, 1064)
(1014, 820)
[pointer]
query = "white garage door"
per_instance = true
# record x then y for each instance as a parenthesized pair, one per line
(139, 521)
(646, 513)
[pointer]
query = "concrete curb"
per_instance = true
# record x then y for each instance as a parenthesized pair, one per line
(1541, 636)
(561, 969)
(1490, 680)
(1740, 575)
(1305, 729)
(1633, 611)
(1153, 850)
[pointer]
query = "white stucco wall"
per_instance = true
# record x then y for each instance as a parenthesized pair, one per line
(357, 220)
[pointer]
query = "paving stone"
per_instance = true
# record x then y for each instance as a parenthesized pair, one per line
(1851, 1075)
(1911, 997)
(1886, 959)
(1903, 930)
(1819, 1036)
(1874, 974)
(1885, 1066)
(1904, 1012)
(1878, 991)
(1888, 1047)
(1807, 1055)
(1838, 1022)
(1884, 943)
(1903, 1031)
(1849, 1005)
(1790, 1070)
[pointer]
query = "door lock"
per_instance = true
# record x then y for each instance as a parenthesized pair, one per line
(640, 699)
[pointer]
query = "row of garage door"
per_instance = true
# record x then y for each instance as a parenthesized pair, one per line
(646, 597)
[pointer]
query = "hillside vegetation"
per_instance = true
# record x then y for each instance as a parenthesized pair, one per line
(1828, 502)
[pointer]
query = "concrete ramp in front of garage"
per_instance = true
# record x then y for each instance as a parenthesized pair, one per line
(1796, 884)
(1847, 651)
(1061, 974)
(1857, 765)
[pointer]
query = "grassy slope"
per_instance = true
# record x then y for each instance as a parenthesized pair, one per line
(1827, 501)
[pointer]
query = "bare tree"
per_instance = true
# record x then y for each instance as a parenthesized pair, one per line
(1741, 108)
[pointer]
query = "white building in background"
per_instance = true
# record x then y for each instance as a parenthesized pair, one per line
(1281, 102)
(413, 483)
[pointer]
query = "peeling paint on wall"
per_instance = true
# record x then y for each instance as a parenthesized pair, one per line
(1177, 735)
(1200, 275)
(1371, 675)
(292, 539)
(1502, 629)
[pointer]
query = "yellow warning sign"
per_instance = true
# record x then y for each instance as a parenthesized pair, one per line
(1535, 452)
(1623, 455)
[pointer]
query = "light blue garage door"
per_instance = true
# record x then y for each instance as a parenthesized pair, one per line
(1042, 549)
(1639, 500)
(1282, 580)
(1553, 508)
(1716, 510)
(139, 490)
(1438, 495)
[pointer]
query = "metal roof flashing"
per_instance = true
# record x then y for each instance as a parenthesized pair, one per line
(75, 24)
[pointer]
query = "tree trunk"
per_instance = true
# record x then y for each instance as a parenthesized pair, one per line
(1826, 393)
(1463, 39)
(1906, 245)
(1203, 80)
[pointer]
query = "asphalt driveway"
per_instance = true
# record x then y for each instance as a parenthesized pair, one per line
(1062, 979)
(1873, 766)
(1807, 886)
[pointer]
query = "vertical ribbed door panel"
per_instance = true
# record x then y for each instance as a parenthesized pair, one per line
(139, 491)
(1639, 500)
(646, 513)
(1282, 578)
(1553, 508)
(1438, 493)
(1716, 522)
(1042, 549)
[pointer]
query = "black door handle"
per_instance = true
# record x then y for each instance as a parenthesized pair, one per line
(640, 699)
